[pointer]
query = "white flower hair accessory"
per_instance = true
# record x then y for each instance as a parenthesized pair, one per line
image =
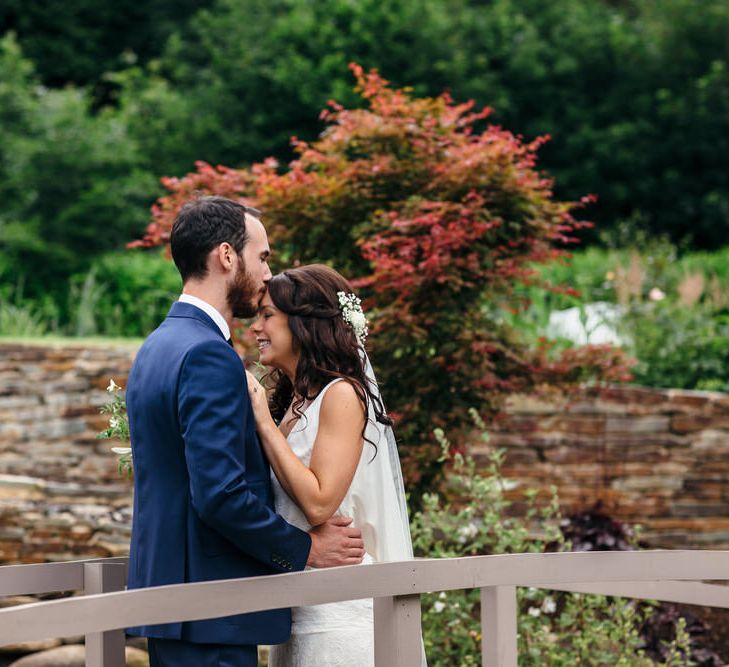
(353, 315)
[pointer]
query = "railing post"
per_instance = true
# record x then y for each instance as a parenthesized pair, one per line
(104, 649)
(398, 632)
(498, 626)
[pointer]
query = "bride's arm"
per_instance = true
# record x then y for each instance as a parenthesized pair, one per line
(318, 489)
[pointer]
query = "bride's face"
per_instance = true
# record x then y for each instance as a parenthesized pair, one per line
(275, 342)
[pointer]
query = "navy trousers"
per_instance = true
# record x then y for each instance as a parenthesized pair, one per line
(174, 653)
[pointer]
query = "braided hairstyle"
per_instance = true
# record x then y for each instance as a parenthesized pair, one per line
(327, 345)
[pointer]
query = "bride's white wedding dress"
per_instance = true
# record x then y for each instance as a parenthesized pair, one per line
(342, 633)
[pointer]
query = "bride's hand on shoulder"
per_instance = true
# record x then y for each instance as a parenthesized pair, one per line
(259, 400)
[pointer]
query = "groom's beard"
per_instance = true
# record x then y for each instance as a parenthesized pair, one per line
(242, 295)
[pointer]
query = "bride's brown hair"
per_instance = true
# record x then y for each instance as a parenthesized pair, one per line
(327, 345)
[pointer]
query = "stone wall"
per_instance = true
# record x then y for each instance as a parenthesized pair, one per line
(61, 496)
(658, 458)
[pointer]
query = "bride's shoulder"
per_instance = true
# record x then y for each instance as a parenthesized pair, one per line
(338, 389)
(341, 398)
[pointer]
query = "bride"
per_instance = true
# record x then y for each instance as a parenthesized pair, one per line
(330, 445)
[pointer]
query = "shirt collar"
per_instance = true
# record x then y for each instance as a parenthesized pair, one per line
(211, 312)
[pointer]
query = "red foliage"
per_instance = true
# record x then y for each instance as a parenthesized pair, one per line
(207, 180)
(437, 217)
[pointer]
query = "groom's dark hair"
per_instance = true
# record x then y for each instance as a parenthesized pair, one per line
(203, 224)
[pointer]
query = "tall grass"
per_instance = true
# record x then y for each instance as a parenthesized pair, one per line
(21, 317)
(21, 320)
(123, 294)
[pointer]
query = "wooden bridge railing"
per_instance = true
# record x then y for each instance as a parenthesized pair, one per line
(673, 576)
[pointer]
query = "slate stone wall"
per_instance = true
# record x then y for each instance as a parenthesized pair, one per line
(61, 496)
(658, 458)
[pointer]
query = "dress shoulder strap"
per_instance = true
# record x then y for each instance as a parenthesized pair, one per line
(311, 414)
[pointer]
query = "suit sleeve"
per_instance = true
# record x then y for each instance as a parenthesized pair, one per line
(214, 419)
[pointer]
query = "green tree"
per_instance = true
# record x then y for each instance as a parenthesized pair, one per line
(259, 71)
(70, 180)
(634, 95)
(77, 41)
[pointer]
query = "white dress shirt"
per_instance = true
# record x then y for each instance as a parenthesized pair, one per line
(211, 312)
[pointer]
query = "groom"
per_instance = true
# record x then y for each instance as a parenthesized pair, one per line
(203, 507)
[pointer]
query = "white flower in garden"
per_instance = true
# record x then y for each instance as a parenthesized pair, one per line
(438, 606)
(467, 532)
(114, 422)
(113, 386)
(656, 294)
(534, 611)
(549, 606)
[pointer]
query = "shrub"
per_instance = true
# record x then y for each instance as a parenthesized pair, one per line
(679, 347)
(123, 294)
(619, 274)
(673, 309)
(553, 628)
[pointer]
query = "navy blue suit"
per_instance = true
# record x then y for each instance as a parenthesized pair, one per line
(203, 506)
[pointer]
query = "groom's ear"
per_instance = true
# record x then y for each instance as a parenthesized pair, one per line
(224, 257)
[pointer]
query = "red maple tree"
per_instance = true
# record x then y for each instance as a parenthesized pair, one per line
(438, 218)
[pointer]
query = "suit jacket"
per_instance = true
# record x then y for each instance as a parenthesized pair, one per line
(203, 505)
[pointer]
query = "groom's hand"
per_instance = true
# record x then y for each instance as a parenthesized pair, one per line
(335, 543)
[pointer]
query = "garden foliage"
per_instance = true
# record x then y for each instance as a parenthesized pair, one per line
(554, 629)
(70, 182)
(437, 217)
(634, 95)
(133, 293)
(79, 41)
(671, 312)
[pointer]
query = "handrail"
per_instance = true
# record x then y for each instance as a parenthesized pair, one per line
(40, 578)
(681, 592)
(404, 581)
